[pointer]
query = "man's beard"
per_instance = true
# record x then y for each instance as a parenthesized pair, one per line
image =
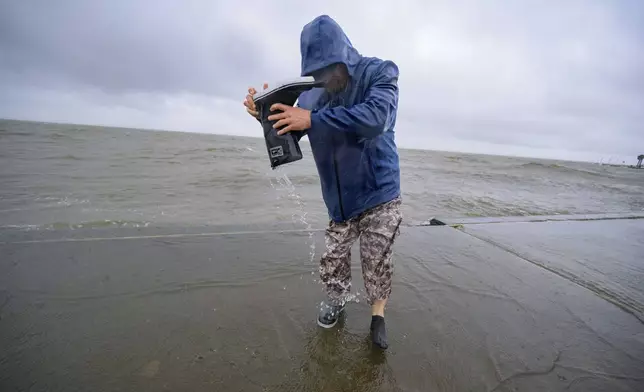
(335, 86)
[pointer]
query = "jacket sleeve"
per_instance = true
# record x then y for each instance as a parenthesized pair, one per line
(371, 117)
(300, 135)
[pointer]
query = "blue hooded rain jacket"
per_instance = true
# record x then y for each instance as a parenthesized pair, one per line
(352, 133)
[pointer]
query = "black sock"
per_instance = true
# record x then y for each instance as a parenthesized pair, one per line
(378, 332)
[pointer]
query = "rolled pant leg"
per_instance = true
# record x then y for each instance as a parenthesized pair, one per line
(379, 228)
(335, 264)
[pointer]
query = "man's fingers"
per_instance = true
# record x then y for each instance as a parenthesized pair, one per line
(278, 116)
(279, 106)
(252, 112)
(250, 101)
(250, 106)
(285, 130)
(265, 86)
(251, 91)
(281, 123)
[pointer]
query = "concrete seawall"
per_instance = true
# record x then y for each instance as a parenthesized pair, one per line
(483, 304)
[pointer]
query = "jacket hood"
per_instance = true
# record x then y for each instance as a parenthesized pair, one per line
(322, 43)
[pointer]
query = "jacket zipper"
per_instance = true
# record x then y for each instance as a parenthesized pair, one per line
(337, 183)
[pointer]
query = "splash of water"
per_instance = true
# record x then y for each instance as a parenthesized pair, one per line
(349, 296)
(282, 184)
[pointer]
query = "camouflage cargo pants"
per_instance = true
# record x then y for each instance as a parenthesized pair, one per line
(377, 229)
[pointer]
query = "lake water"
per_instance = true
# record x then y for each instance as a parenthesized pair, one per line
(60, 176)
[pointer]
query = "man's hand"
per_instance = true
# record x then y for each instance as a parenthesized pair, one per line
(250, 103)
(293, 118)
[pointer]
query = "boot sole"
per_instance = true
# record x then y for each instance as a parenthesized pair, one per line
(327, 326)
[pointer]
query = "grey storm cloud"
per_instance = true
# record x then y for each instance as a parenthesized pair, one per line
(554, 79)
(128, 47)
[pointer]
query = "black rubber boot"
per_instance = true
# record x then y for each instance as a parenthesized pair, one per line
(329, 314)
(379, 332)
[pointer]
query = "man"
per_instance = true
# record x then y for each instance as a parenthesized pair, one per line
(350, 124)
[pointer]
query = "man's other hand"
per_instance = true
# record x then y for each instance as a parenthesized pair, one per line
(291, 117)
(250, 103)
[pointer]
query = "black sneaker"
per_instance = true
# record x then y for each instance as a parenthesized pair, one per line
(329, 314)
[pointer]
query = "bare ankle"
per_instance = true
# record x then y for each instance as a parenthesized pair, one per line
(378, 307)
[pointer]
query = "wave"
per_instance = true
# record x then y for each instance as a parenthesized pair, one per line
(466, 159)
(58, 135)
(311, 179)
(231, 149)
(21, 227)
(477, 206)
(4, 132)
(97, 224)
(94, 224)
(563, 169)
(66, 157)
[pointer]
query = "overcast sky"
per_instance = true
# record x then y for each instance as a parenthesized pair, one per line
(562, 79)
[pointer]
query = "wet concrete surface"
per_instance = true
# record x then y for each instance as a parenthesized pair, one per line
(233, 312)
(537, 218)
(606, 257)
